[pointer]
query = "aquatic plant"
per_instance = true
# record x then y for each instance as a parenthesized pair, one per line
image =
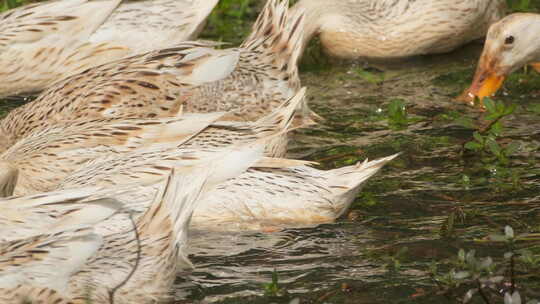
(273, 289)
(486, 278)
(397, 116)
(485, 138)
(491, 148)
(370, 76)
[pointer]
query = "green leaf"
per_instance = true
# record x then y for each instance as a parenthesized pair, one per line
(493, 147)
(465, 122)
(397, 114)
(490, 105)
(370, 77)
(496, 128)
(500, 107)
(492, 116)
(472, 145)
(509, 109)
(479, 138)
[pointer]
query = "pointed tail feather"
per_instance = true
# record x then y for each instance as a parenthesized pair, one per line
(90, 213)
(282, 117)
(278, 36)
(172, 131)
(47, 260)
(200, 63)
(281, 120)
(352, 176)
(346, 182)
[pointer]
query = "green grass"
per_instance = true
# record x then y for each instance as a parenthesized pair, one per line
(231, 20)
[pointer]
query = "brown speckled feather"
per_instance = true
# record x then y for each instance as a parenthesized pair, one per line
(382, 29)
(45, 42)
(135, 265)
(45, 158)
(158, 83)
(145, 86)
(267, 72)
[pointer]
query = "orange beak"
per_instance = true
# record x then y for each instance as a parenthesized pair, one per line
(486, 81)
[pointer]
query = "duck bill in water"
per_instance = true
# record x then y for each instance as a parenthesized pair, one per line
(486, 82)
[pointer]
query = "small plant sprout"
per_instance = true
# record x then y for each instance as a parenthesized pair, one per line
(272, 289)
(398, 118)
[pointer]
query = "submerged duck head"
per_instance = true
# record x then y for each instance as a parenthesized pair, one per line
(510, 44)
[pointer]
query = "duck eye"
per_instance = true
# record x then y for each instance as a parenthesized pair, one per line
(509, 40)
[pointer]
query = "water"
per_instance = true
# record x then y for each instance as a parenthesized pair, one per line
(405, 206)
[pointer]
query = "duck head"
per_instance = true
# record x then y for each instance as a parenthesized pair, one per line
(510, 44)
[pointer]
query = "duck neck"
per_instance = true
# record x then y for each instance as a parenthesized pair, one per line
(313, 14)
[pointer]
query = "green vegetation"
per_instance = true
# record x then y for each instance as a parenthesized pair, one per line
(493, 281)
(521, 5)
(273, 289)
(231, 21)
(491, 148)
(486, 139)
(371, 77)
(9, 4)
(398, 118)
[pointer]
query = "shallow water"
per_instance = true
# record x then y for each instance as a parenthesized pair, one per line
(404, 206)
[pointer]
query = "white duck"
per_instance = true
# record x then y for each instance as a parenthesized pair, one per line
(268, 196)
(134, 265)
(510, 44)
(247, 82)
(44, 42)
(383, 29)
(40, 161)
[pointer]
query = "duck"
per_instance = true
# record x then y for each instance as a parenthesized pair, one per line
(26, 216)
(48, 41)
(510, 44)
(134, 265)
(395, 29)
(246, 82)
(43, 159)
(129, 88)
(267, 197)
